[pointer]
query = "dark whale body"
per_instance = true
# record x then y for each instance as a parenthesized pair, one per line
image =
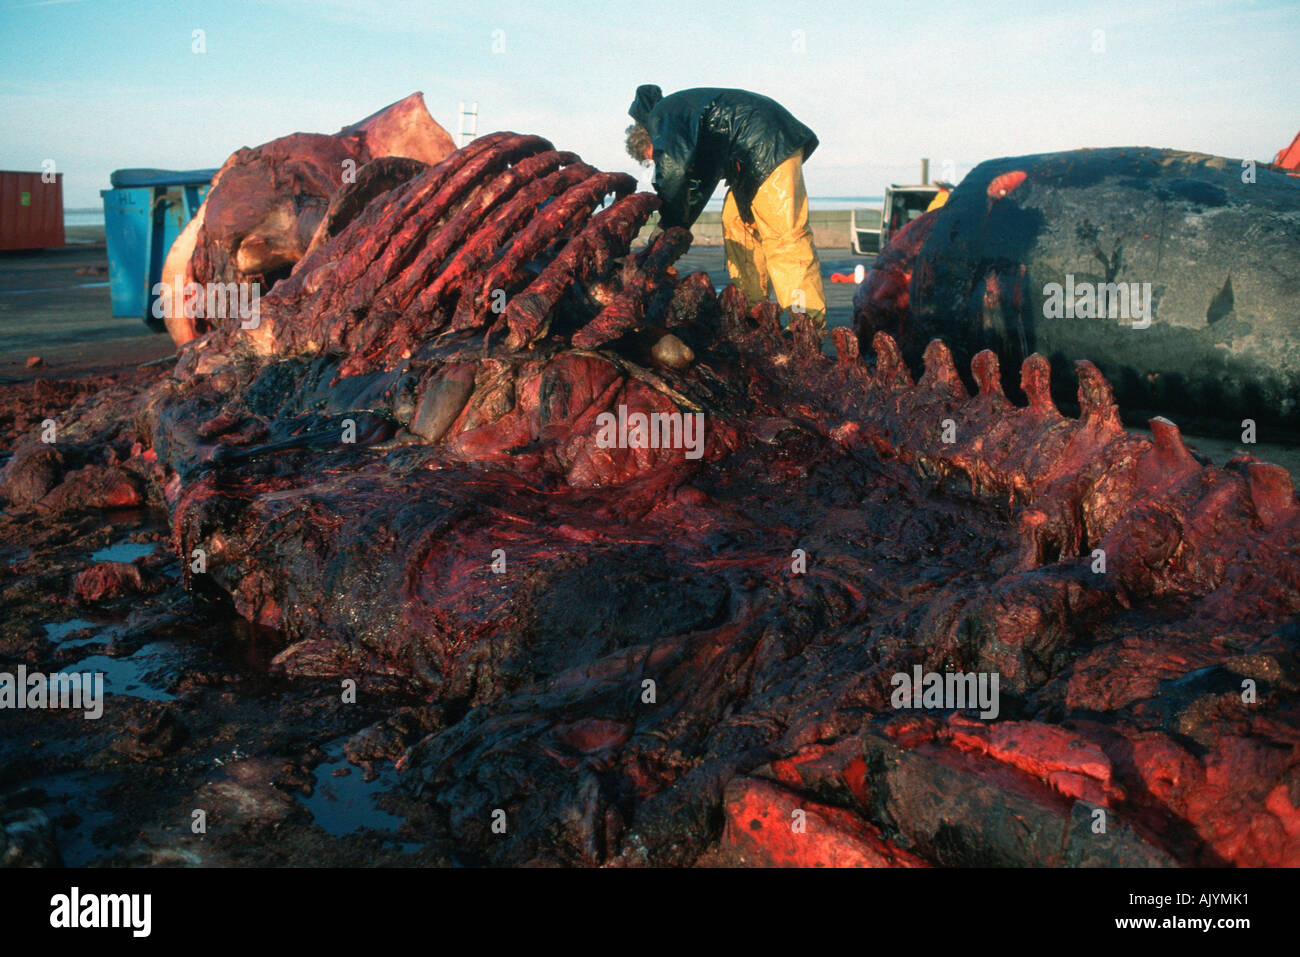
(1219, 254)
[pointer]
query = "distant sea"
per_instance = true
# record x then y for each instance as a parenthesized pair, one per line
(84, 217)
(94, 216)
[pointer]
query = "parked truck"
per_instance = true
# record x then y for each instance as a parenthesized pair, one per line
(870, 229)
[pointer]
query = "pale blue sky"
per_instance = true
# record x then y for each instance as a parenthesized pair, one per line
(101, 84)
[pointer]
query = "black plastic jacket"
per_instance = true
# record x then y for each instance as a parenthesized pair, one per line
(705, 135)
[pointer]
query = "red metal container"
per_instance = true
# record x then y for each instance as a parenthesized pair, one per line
(31, 211)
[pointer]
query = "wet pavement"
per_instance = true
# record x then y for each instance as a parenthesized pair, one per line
(49, 309)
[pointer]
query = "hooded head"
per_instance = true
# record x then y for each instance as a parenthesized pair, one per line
(647, 97)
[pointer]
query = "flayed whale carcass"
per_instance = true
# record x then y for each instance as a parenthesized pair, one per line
(267, 203)
(450, 461)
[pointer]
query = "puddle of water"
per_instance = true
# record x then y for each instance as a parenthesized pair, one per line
(122, 552)
(344, 805)
(60, 630)
(77, 793)
(57, 631)
(56, 289)
(134, 676)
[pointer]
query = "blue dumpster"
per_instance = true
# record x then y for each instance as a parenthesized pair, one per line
(144, 212)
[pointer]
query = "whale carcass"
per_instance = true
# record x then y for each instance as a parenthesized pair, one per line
(450, 461)
(267, 203)
(1175, 273)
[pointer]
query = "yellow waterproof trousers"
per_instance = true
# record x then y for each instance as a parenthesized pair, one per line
(776, 251)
